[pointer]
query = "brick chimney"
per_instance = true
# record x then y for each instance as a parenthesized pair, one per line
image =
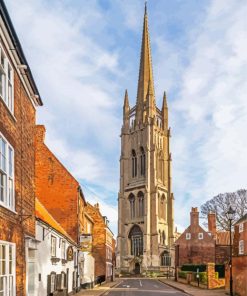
(194, 217)
(212, 223)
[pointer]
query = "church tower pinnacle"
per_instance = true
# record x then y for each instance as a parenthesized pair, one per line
(145, 200)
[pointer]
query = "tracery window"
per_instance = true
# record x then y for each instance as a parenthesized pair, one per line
(143, 162)
(132, 205)
(134, 164)
(140, 204)
(136, 241)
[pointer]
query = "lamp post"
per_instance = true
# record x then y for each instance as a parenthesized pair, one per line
(231, 213)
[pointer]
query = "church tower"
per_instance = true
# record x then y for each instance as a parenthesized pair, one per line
(145, 201)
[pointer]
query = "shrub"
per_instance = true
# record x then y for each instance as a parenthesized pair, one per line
(203, 277)
(182, 274)
(194, 267)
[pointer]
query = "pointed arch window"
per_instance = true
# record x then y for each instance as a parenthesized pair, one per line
(132, 205)
(136, 241)
(143, 162)
(134, 164)
(140, 204)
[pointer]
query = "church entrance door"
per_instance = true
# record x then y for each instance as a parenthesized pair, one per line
(137, 268)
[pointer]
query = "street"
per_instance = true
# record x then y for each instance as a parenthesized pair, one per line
(142, 287)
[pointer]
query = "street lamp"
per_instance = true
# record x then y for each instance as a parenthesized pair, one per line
(230, 214)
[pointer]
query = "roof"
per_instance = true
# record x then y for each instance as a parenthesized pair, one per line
(17, 45)
(223, 238)
(242, 219)
(42, 213)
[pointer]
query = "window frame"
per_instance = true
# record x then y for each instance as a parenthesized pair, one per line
(63, 249)
(241, 227)
(8, 81)
(8, 172)
(8, 278)
(241, 247)
(188, 235)
(200, 235)
(53, 247)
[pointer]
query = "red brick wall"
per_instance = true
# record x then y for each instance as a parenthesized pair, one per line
(239, 272)
(195, 251)
(19, 132)
(99, 239)
(56, 188)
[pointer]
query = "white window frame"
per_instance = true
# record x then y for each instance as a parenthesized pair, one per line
(8, 81)
(241, 227)
(53, 246)
(7, 199)
(8, 276)
(200, 235)
(63, 249)
(241, 247)
(188, 235)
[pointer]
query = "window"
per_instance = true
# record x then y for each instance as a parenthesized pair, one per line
(134, 164)
(188, 236)
(241, 227)
(200, 235)
(165, 259)
(6, 81)
(241, 247)
(162, 207)
(63, 281)
(63, 251)
(163, 237)
(7, 269)
(143, 162)
(6, 174)
(136, 241)
(140, 204)
(53, 246)
(132, 206)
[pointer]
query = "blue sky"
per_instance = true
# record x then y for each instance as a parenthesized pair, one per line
(84, 54)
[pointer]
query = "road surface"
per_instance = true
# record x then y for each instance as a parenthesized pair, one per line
(142, 287)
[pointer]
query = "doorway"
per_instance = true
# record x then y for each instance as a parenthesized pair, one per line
(137, 269)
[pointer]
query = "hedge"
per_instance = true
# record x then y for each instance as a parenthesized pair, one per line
(194, 267)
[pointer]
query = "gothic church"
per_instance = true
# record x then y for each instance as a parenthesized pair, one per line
(145, 201)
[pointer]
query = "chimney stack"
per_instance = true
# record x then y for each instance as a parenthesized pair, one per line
(212, 223)
(194, 217)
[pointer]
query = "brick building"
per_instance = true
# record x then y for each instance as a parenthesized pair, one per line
(59, 192)
(19, 98)
(239, 260)
(102, 244)
(198, 246)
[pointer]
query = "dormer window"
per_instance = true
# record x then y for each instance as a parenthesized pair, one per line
(188, 236)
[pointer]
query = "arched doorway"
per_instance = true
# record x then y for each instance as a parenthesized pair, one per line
(137, 269)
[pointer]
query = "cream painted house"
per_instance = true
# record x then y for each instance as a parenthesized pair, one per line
(145, 202)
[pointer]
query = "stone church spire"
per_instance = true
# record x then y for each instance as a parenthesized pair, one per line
(165, 112)
(145, 81)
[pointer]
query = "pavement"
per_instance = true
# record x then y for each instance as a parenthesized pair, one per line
(132, 287)
(148, 287)
(191, 290)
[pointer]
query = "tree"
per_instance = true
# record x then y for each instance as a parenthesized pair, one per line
(220, 205)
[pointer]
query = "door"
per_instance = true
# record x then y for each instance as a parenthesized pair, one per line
(31, 273)
(137, 268)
